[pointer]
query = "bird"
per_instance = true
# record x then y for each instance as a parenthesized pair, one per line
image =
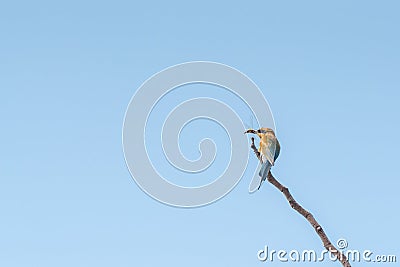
(267, 153)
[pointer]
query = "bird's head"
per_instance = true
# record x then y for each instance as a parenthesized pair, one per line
(260, 132)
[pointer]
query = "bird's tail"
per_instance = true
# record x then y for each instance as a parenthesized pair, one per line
(262, 175)
(265, 167)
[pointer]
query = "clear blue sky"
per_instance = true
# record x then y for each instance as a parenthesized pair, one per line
(330, 71)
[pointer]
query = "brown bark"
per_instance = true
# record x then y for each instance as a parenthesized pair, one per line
(306, 214)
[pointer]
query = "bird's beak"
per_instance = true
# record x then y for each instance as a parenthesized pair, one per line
(250, 131)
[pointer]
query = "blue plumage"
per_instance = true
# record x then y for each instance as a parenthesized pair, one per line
(267, 153)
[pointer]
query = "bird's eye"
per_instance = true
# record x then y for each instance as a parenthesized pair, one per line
(258, 131)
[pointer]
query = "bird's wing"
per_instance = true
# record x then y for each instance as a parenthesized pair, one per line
(268, 148)
(277, 150)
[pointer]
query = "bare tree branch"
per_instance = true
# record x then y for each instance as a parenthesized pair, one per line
(253, 146)
(306, 214)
